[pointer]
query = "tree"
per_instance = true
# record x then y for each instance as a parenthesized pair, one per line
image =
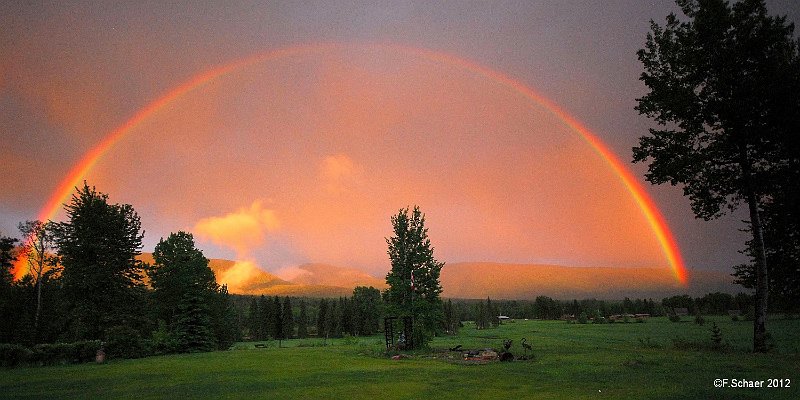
(267, 328)
(367, 309)
(102, 279)
(38, 249)
(277, 319)
(179, 268)
(413, 280)
(322, 318)
(7, 310)
(254, 321)
(7, 258)
(192, 324)
(302, 321)
(723, 89)
(287, 319)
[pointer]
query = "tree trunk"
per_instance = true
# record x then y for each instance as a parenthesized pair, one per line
(760, 320)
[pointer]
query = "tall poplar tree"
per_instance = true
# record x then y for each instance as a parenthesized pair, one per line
(724, 90)
(411, 255)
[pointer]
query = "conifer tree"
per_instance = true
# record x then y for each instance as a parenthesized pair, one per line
(302, 321)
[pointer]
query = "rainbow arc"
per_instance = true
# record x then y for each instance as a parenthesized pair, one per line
(645, 203)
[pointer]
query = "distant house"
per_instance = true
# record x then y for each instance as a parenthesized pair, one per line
(681, 312)
(503, 317)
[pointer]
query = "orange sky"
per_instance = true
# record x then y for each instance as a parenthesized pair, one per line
(329, 145)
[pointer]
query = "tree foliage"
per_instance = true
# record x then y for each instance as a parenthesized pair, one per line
(723, 89)
(411, 255)
(102, 279)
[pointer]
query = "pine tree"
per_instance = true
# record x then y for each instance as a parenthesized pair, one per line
(266, 329)
(302, 321)
(102, 279)
(277, 319)
(254, 320)
(287, 319)
(322, 319)
(192, 323)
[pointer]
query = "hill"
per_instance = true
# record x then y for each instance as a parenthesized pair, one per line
(478, 280)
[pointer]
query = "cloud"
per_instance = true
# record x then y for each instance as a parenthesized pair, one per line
(242, 230)
(239, 275)
(292, 273)
(339, 172)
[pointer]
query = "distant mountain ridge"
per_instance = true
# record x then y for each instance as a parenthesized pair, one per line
(481, 279)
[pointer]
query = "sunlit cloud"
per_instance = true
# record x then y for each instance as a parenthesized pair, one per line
(241, 230)
(239, 275)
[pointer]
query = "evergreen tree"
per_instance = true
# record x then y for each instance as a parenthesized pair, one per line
(8, 313)
(179, 268)
(287, 319)
(254, 320)
(322, 319)
(191, 326)
(102, 279)
(224, 319)
(277, 318)
(302, 321)
(266, 329)
(7, 258)
(411, 256)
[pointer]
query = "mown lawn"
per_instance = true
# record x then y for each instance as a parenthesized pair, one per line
(635, 361)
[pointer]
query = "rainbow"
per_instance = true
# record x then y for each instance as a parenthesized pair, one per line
(646, 204)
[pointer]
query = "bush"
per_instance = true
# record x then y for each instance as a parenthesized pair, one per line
(163, 341)
(125, 342)
(12, 355)
(734, 317)
(583, 318)
(699, 320)
(675, 318)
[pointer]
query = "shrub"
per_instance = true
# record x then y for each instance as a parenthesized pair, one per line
(675, 318)
(583, 318)
(699, 320)
(125, 342)
(12, 355)
(626, 319)
(734, 317)
(640, 320)
(163, 341)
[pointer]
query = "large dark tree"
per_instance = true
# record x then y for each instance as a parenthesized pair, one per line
(723, 88)
(102, 279)
(411, 255)
(179, 268)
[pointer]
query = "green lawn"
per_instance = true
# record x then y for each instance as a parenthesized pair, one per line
(571, 361)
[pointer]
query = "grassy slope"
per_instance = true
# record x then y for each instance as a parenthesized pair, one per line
(572, 361)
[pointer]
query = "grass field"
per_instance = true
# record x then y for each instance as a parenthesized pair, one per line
(635, 361)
